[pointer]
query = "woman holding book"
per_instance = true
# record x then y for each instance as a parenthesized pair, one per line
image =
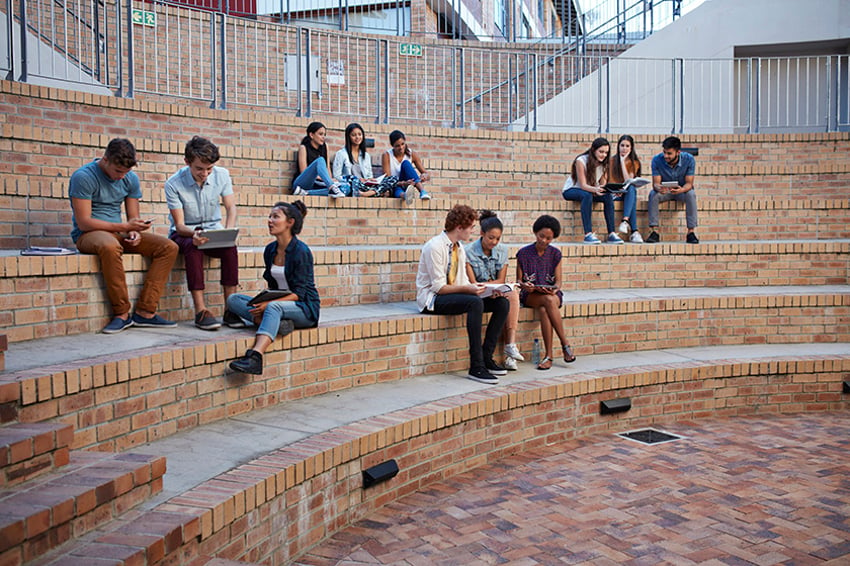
(624, 167)
(353, 166)
(289, 267)
(487, 262)
(586, 184)
(538, 272)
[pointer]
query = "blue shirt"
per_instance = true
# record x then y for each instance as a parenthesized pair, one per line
(89, 182)
(684, 168)
(200, 204)
(486, 268)
(298, 268)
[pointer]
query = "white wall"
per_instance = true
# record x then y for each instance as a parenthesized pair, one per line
(642, 87)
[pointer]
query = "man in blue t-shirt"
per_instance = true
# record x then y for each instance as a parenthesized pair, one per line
(673, 179)
(97, 190)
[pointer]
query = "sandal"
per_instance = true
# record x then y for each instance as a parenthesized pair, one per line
(547, 362)
(569, 357)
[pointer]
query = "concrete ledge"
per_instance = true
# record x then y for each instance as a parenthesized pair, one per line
(57, 296)
(140, 393)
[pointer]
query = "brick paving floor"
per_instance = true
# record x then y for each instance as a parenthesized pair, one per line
(762, 490)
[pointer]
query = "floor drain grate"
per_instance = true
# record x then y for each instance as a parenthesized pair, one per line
(649, 436)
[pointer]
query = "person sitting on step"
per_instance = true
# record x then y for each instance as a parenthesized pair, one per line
(289, 267)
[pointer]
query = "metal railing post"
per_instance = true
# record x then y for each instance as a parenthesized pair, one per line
(299, 105)
(829, 93)
(749, 96)
(213, 63)
(461, 104)
(343, 18)
(377, 81)
(527, 87)
(673, 96)
(454, 87)
(386, 81)
(131, 65)
(309, 91)
(607, 94)
(534, 102)
(223, 57)
(24, 70)
(757, 114)
(681, 95)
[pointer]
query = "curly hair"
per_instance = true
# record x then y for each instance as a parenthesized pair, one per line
(547, 221)
(460, 215)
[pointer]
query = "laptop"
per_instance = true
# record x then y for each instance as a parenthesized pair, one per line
(223, 238)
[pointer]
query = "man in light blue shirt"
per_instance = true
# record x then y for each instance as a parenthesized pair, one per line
(673, 179)
(194, 196)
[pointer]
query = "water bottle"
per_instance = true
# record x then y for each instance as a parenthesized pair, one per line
(535, 352)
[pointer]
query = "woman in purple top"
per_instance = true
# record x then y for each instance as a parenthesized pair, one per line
(539, 274)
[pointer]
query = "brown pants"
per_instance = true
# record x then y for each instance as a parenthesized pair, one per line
(111, 247)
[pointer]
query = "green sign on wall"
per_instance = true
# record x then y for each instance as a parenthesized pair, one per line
(144, 18)
(410, 49)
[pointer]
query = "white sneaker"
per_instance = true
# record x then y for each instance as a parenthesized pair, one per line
(512, 351)
(335, 192)
(299, 191)
(624, 228)
(636, 238)
(410, 194)
(510, 364)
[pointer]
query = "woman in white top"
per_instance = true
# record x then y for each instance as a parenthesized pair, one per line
(401, 162)
(585, 184)
(352, 164)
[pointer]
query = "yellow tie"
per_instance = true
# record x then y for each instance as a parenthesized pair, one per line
(453, 265)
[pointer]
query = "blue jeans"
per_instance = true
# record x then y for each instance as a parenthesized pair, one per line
(587, 199)
(307, 179)
(630, 206)
(407, 173)
(274, 313)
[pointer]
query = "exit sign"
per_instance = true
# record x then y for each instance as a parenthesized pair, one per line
(144, 18)
(410, 49)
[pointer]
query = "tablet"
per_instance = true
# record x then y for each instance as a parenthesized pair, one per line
(224, 238)
(671, 184)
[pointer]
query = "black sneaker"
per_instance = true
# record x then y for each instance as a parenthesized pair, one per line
(482, 376)
(692, 238)
(206, 321)
(494, 368)
(653, 238)
(232, 320)
(251, 362)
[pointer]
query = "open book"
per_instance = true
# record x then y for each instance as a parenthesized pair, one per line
(373, 182)
(493, 287)
(623, 187)
(267, 295)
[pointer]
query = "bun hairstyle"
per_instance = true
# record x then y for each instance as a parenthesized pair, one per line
(488, 220)
(296, 211)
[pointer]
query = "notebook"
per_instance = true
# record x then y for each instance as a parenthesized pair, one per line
(224, 238)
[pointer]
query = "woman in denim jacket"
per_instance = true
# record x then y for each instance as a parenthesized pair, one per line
(487, 262)
(289, 267)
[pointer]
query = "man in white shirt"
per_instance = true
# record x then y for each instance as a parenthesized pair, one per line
(442, 287)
